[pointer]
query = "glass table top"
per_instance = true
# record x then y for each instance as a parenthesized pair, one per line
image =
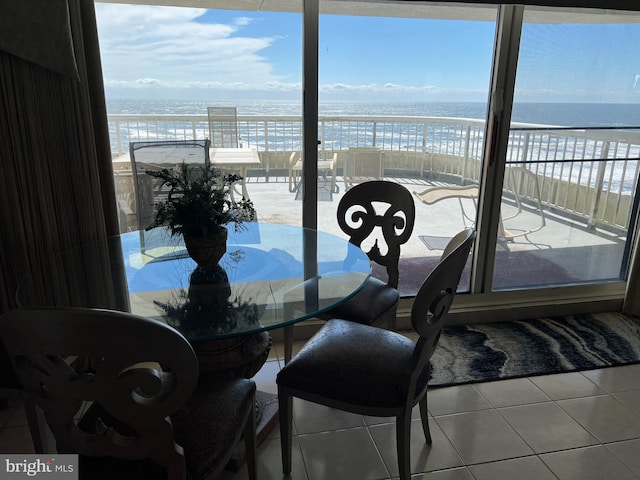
(271, 276)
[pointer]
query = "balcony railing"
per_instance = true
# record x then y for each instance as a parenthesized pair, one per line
(590, 173)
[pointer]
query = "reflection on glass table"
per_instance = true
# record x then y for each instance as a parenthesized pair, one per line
(271, 276)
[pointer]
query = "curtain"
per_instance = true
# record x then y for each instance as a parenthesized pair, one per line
(56, 179)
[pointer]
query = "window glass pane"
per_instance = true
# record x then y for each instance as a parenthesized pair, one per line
(165, 66)
(403, 97)
(572, 162)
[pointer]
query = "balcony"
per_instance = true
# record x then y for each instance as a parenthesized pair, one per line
(581, 182)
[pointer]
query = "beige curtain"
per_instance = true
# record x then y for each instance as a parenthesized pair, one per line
(56, 180)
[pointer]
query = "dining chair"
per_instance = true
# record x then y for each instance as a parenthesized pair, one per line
(370, 371)
(367, 213)
(125, 394)
(223, 127)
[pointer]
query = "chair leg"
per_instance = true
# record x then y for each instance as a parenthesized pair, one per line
(288, 343)
(250, 444)
(285, 404)
(403, 439)
(424, 416)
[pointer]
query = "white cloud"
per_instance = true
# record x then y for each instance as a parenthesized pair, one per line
(167, 46)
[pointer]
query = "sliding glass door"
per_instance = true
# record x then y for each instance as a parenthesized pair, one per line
(403, 90)
(569, 190)
(332, 93)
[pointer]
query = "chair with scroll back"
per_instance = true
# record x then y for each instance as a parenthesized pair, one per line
(376, 303)
(370, 371)
(130, 403)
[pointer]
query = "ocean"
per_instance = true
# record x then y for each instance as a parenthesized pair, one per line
(575, 115)
(542, 150)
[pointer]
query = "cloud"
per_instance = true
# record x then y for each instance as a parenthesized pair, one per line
(154, 46)
(375, 88)
(148, 82)
(637, 79)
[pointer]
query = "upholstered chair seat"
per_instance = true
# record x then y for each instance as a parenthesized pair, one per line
(388, 357)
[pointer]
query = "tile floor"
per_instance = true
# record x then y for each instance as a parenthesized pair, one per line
(569, 426)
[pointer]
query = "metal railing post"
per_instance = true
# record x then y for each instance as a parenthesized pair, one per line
(602, 167)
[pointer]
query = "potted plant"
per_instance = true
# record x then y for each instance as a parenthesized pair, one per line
(199, 205)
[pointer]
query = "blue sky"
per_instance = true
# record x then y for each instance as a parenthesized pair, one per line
(197, 54)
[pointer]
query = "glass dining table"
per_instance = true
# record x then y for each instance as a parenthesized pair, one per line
(272, 276)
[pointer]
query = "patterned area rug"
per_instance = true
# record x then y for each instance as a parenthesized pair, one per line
(495, 351)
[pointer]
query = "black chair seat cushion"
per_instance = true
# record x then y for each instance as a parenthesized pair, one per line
(209, 426)
(371, 303)
(324, 366)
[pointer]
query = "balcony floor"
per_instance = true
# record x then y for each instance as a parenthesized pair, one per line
(564, 251)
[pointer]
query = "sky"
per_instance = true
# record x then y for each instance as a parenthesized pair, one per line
(153, 52)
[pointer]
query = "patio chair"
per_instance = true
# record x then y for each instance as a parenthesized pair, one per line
(377, 301)
(363, 164)
(369, 371)
(520, 182)
(155, 155)
(325, 168)
(434, 195)
(223, 127)
(124, 393)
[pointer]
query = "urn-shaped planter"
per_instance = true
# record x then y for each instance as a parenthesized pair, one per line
(207, 252)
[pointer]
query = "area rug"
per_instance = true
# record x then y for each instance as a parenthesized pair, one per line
(501, 350)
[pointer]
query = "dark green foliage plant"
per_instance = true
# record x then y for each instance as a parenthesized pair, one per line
(199, 201)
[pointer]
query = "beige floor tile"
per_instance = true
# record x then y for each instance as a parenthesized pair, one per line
(342, 455)
(269, 463)
(546, 427)
(525, 468)
(567, 385)
(631, 399)
(482, 436)
(452, 474)
(517, 391)
(627, 452)
(437, 456)
(313, 418)
(266, 378)
(615, 379)
(591, 463)
(458, 399)
(604, 417)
